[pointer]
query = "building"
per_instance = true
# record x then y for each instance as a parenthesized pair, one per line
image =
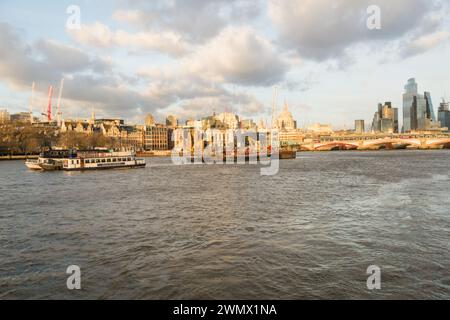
(359, 126)
(444, 115)
(318, 128)
(291, 137)
(157, 138)
(385, 120)
(411, 91)
(285, 121)
(133, 136)
(149, 120)
(248, 124)
(418, 111)
(21, 117)
(228, 120)
(171, 121)
(80, 126)
(4, 116)
(208, 123)
(113, 122)
(261, 125)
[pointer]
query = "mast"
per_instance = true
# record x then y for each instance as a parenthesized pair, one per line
(58, 107)
(31, 102)
(274, 102)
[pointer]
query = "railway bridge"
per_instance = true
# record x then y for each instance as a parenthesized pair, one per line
(374, 143)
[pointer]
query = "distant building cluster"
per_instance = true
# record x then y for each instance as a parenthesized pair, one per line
(385, 119)
(418, 116)
(418, 112)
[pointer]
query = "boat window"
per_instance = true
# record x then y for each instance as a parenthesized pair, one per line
(114, 160)
(103, 160)
(129, 159)
(108, 160)
(87, 161)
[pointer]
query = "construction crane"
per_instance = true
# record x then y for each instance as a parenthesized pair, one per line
(49, 106)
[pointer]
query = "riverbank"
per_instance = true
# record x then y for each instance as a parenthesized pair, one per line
(153, 154)
(168, 153)
(17, 157)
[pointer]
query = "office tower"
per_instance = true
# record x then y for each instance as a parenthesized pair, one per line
(359, 126)
(385, 119)
(444, 115)
(408, 98)
(430, 108)
(418, 111)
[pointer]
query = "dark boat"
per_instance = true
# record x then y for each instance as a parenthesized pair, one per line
(51, 165)
(287, 154)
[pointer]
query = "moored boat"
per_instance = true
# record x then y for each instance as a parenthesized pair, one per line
(73, 160)
(97, 160)
(33, 164)
(287, 154)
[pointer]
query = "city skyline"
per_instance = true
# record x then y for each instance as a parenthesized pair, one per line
(127, 62)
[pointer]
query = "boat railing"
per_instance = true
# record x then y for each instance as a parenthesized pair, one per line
(104, 154)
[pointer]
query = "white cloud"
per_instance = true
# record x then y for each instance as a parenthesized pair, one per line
(424, 43)
(323, 29)
(237, 55)
(101, 36)
(196, 20)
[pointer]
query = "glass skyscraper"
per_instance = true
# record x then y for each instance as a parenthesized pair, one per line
(418, 111)
(430, 108)
(408, 100)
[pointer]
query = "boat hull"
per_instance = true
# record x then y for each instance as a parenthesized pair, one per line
(287, 154)
(50, 167)
(33, 165)
(133, 166)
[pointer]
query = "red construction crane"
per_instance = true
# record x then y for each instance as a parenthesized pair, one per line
(49, 107)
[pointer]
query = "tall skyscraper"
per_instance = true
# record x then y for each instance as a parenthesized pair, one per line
(408, 98)
(418, 111)
(430, 108)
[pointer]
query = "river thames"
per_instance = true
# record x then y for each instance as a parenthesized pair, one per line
(226, 232)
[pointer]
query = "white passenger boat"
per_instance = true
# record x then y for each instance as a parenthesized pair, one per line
(73, 160)
(96, 160)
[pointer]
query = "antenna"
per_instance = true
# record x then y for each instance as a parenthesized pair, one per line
(32, 102)
(58, 107)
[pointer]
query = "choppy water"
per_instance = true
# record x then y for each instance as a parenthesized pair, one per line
(225, 232)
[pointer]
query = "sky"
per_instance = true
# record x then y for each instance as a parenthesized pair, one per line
(190, 58)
